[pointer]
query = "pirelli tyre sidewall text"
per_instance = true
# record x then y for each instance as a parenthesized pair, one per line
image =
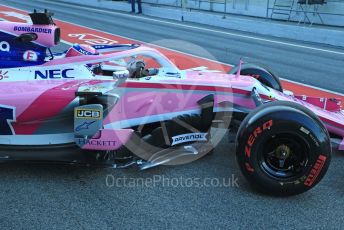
(283, 148)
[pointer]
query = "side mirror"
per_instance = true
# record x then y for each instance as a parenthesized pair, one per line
(27, 37)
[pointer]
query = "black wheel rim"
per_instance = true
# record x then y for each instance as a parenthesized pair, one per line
(285, 156)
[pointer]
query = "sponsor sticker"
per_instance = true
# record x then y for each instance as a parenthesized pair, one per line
(89, 113)
(53, 74)
(94, 88)
(84, 126)
(32, 29)
(95, 142)
(3, 74)
(189, 137)
(30, 55)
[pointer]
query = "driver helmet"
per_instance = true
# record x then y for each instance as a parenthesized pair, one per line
(80, 50)
(135, 68)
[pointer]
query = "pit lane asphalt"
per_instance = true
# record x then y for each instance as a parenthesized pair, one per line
(65, 197)
(59, 197)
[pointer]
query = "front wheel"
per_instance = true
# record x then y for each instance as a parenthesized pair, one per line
(262, 73)
(283, 148)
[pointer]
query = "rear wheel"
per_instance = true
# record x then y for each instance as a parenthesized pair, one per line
(283, 148)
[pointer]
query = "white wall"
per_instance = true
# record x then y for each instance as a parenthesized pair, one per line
(258, 8)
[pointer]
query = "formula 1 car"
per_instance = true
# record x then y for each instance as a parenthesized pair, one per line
(102, 106)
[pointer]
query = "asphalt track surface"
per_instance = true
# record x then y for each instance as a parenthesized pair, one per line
(57, 197)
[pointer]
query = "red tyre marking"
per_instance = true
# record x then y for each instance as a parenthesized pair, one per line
(257, 132)
(249, 168)
(315, 171)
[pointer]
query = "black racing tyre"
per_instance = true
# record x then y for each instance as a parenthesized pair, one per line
(283, 148)
(261, 73)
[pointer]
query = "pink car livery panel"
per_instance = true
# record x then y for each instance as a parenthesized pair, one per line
(105, 99)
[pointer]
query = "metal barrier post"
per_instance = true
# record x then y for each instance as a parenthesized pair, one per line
(247, 3)
(225, 7)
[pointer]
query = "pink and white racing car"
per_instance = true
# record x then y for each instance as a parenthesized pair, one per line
(103, 106)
